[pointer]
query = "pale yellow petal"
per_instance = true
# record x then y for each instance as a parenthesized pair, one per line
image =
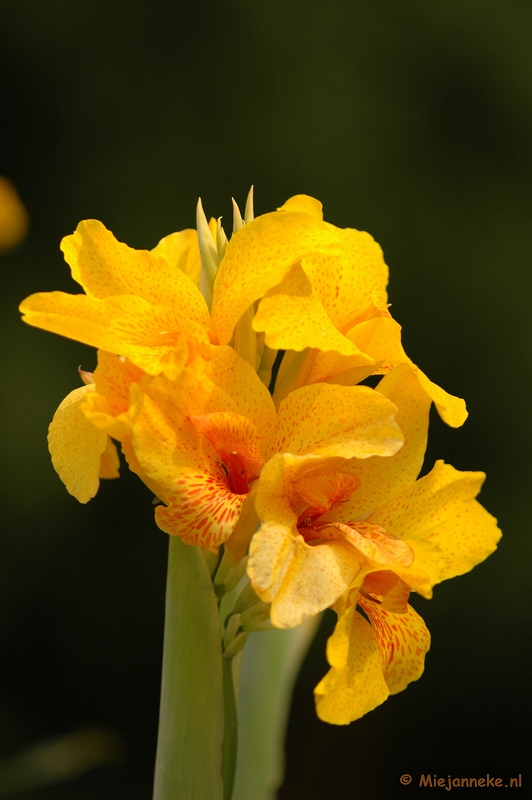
(298, 579)
(181, 250)
(355, 683)
(305, 204)
(258, 257)
(105, 267)
(76, 446)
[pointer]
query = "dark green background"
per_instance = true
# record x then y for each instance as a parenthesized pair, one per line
(411, 119)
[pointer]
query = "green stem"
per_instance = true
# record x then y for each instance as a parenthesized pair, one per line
(230, 743)
(270, 666)
(191, 722)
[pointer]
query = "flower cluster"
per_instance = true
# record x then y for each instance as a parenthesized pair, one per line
(231, 373)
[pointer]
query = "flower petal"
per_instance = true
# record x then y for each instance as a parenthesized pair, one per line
(105, 267)
(298, 579)
(77, 446)
(292, 317)
(441, 509)
(326, 420)
(403, 642)
(355, 683)
(258, 257)
(181, 250)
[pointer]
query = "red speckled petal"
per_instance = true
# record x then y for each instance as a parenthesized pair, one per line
(355, 683)
(403, 641)
(202, 510)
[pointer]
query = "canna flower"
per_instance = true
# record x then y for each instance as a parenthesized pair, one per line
(207, 438)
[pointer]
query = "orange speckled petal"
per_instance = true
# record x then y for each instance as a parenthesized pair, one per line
(298, 579)
(355, 683)
(403, 641)
(258, 257)
(76, 446)
(293, 318)
(181, 250)
(327, 488)
(202, 510)
(327, 420)
(375, 543)
(380, 339)
(347, 281)
(105, 267)
(442, 509)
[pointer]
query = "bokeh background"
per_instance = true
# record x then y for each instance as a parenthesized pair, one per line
(412, 120)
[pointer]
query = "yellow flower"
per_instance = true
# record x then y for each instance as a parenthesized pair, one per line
(205, 439)
(325, 529)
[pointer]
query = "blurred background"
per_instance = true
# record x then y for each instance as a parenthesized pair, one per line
(411, 120)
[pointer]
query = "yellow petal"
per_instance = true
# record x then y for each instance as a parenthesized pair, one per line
(346, 281)
(153, 337)
(380, 339)
(403, 641)
(109, 462)
(347, 421)
(293, 318)
(440, 508)
(105, 267)
(298, 579)
(305, 204)
(382, 478)
(13, 216)
(76, 446)
(181, 250)
(355, 684)
(258, 257)
(108, 406)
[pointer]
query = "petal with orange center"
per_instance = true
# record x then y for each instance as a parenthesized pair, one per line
(104, 267)
(327, 488)
(181, 250)
(299, 580)
(258, 257)
(355, 683)
(403, 642)
(232, 435)
(151, 336)
(292, 317)
(77, 447)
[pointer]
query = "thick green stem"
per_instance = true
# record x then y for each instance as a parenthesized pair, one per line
(270, 667)
(191, 723)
